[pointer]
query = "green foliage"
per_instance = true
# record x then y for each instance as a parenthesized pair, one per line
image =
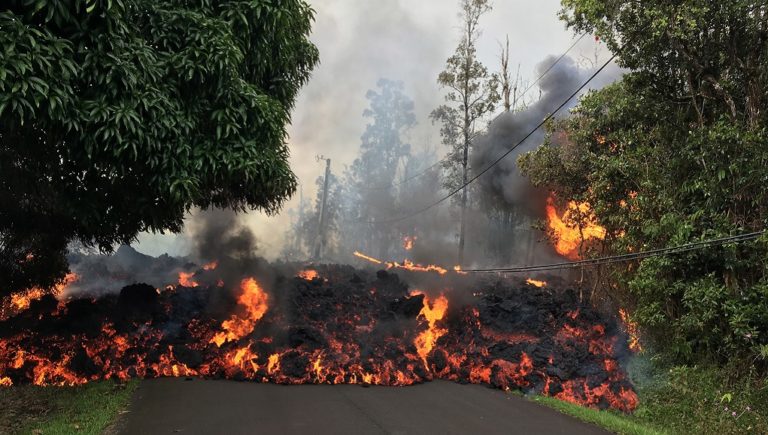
(472, 93)
(703, 400)
(85, 409)
(117, 116)
(672, 155)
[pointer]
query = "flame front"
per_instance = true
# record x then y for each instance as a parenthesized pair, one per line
(254, 301)
(431, 312)
(536, 283)
(569, 237)
(632, 331)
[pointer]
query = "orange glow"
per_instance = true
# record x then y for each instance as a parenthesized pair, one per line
(211, 266)
(576, 225)
(408, 242)
(409, 265)
(273, 365)
(22, 300)
(536, 283)
(632, 331)
(5, 382)
(367, 258)
(254, 301)
(458, 270)
(433, 312)
(308, 274)
(185, 279)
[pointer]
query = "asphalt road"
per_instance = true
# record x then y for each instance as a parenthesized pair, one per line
(176, 406)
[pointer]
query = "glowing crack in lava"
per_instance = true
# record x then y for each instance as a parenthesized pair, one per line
(254, 302)
(569, 236)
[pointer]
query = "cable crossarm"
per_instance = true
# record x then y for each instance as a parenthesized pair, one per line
(626, 257)
(474, 135)
(502, 156)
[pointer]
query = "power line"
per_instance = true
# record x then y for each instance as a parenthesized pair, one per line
(535, 82)
(501, 157)
(626, 257)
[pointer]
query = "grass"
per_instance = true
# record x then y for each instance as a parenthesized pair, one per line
(87, 409)
(611, 421)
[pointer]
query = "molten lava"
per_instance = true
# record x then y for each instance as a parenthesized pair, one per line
(186, 279)
(308, 274)
(254, 302)
(351, 327)
(431, 312)
(576, 225)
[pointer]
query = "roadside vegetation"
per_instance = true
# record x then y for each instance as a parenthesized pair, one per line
(86, 409)
(677, 152)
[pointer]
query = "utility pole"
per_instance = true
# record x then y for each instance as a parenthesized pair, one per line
(320, 242)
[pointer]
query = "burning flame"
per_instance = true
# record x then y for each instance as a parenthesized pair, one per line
(308, 274)
(408, 242)
(185, 279)
(22, 300)
(536, 283)
(632, 331)
(569, 236)
(211, 266)
(254, 301)
(431, 312)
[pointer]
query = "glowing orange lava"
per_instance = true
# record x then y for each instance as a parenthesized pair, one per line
(254, 301)
(431, 312)
(577, 225)
(185, 279)
(308, 274)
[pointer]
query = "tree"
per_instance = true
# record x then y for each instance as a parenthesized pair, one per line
(675, 153)
(382, 151)
(117, 116)
(472, 94)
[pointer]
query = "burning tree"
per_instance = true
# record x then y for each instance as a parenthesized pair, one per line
(120, 116)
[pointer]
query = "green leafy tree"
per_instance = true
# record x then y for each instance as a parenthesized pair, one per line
(472, 94)
(674, 153)
(117, 116)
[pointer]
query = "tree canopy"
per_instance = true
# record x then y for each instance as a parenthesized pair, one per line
(676, 152)
(118, 116)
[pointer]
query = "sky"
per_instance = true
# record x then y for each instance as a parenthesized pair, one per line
(361, 41)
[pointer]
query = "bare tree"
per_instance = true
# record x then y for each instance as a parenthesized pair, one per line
(472, 94)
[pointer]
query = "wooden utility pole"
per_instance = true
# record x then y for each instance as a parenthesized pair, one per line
(320, 241)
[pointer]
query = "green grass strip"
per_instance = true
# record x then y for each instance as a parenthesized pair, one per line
(611, 421)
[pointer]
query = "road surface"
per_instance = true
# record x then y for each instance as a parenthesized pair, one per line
(176, 406)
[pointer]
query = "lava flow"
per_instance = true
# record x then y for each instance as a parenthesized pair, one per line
(281, 324)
